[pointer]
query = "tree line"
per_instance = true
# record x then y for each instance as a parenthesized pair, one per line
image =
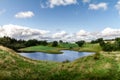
(108, 45)
(18, 44)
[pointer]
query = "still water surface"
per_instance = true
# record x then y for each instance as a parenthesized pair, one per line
(67, 55)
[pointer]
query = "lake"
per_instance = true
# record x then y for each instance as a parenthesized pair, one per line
(67, 55)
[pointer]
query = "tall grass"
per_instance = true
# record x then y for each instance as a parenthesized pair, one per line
(90, 47)
(15, 67)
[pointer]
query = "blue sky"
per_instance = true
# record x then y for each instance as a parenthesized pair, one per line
(68, 16)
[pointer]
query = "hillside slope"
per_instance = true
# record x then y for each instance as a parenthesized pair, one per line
(16, 67)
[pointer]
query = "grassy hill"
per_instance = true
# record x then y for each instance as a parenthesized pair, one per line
(101, 66)
(50, 49)
(71, 46)
(91, 47)
(46, 49)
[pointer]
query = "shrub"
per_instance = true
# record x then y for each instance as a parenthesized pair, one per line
(80, 43)
(66, 61)
(55, 43)
(97, 56)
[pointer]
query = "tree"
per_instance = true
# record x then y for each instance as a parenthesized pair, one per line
(60, 41)
(80, 43)
(12, 43)
(102, 43)
(117, 39)
(117, 43)
(17, 44)
(97, 40)
(100, 40)
(108, 47)
(93, 41)
(55, 43)
(32, 42)
(44, 43)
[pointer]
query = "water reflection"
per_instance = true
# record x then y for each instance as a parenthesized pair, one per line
(67, 55)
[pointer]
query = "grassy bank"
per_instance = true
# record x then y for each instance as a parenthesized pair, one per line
(90, 47)
(15, 67)
(49, 49)
(46, 49)
(70, 46)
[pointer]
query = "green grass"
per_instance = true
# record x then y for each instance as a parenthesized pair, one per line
(16, 67)
(90, 47)
(65, 45)
(49, 49)
(46, 49)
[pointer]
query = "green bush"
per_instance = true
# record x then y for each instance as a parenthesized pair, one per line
(97, 56)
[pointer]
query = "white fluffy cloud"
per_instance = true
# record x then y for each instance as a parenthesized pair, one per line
(27, 14)
(21, 32)
(109, 32)
(118, 6)
(102, 5)
(53, 3)
(82, 33)
(59, 35)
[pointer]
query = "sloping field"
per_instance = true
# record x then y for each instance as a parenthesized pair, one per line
(94, 67)
(46, 49)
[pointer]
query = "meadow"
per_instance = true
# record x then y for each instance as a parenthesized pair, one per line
(100, 66)
(87, 47)
(50, 49)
